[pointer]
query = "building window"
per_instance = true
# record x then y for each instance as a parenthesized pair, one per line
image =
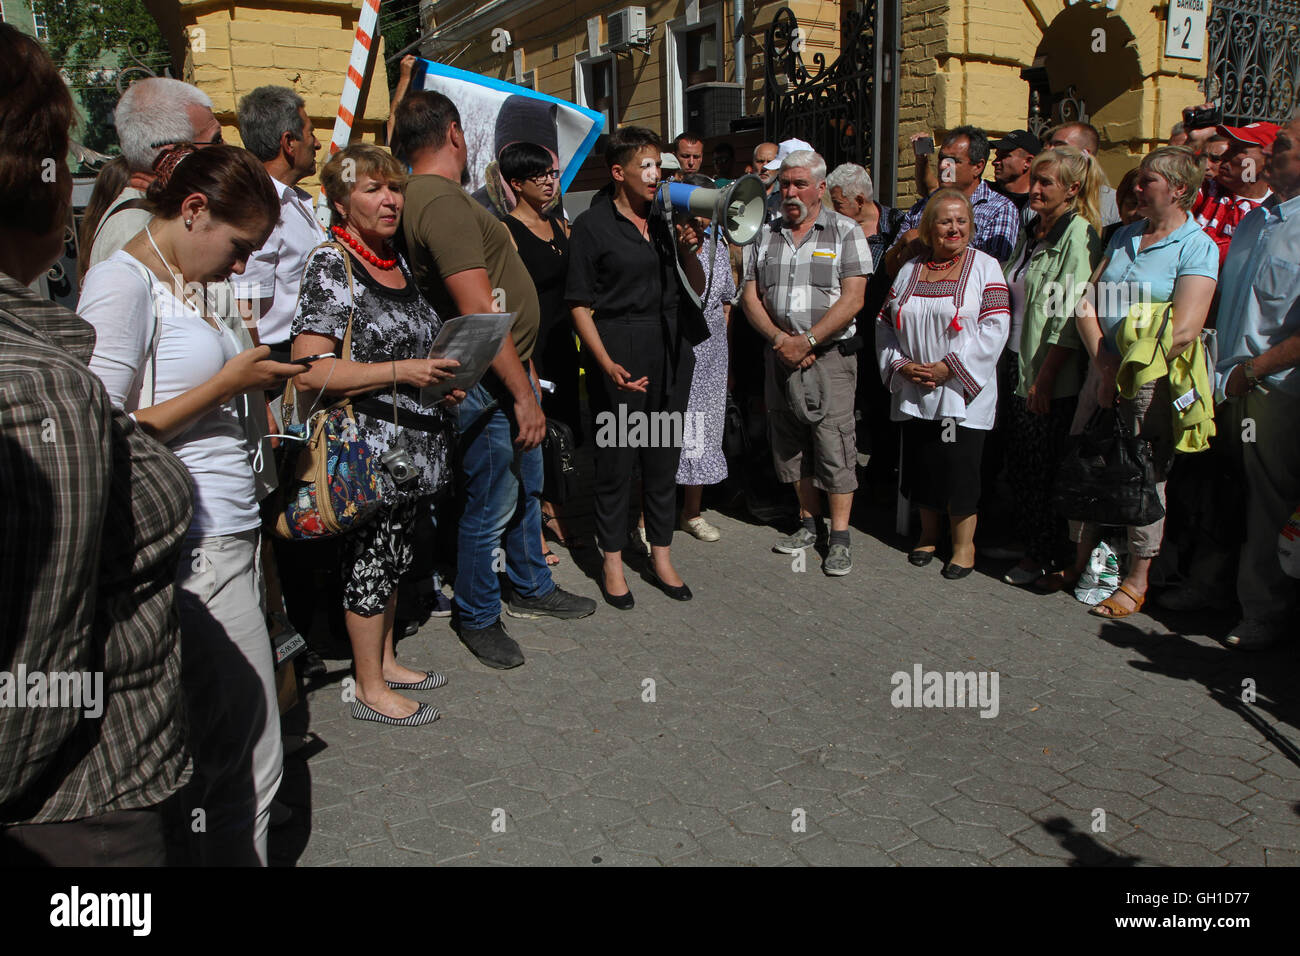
(701, 55)
(39, 26)
(598, 88)
(693, 55)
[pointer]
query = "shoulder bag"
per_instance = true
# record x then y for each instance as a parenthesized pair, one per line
(330, 482)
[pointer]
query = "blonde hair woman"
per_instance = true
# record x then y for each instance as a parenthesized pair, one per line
(393, 329)
(1055, 257)
(1169, 258)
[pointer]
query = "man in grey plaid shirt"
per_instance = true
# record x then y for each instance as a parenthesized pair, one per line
(805, 278)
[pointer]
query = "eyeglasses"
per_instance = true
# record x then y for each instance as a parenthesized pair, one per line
(542, 178)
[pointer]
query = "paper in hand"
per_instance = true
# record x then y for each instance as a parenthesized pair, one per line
(474, 341)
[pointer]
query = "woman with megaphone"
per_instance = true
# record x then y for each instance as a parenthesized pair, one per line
(638, 327)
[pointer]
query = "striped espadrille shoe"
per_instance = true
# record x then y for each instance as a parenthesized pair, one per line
(424, 715)
(432, 681)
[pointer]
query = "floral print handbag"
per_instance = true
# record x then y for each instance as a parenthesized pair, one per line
(329, 481)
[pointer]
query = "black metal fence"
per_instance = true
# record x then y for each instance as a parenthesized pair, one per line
(1254, 59)
(847, 110)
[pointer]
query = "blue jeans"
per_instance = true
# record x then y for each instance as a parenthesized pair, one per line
(502, 517)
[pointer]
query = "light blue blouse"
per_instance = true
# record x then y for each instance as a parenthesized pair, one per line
(1150, 275)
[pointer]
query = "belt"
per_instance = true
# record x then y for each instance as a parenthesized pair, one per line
(376, 408)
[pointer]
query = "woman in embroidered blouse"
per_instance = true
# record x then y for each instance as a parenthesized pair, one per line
(393, 329)
(938, 339)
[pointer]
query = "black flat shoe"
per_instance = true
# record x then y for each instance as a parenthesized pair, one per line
(920, 558)
(623, 602)
(955, 572)
(682, 593)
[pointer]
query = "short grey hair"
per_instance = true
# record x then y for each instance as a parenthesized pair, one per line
(851, 180)
(806, 159)
(154, 110)
(265, 115)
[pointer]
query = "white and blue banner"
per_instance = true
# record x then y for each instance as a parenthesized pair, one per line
(495, 114)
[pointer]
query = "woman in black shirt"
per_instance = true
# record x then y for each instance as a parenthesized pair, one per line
(623, 289)
(543, 244)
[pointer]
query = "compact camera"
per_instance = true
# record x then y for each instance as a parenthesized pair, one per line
(397, 462)
(1194, 119)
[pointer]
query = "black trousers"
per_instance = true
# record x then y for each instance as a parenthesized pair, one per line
(631, 428)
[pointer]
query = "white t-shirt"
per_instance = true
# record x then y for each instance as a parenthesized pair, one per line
(275, 271)
(116, 301)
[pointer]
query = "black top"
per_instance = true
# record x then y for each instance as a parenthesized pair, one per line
(1020, 199)
(615, 271)
(548, 264)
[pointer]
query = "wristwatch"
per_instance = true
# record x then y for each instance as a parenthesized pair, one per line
(1248, 369)
(812, 340)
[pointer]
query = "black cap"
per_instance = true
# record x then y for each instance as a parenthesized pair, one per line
(1019, 139)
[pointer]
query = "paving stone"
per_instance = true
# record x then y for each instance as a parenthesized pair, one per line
(773, 693)
(822, 850)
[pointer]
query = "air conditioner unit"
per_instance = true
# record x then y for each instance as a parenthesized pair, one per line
(710, 107)
(624, 27)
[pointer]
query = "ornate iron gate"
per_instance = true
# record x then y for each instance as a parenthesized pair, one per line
(847, 110)
(1254, 59)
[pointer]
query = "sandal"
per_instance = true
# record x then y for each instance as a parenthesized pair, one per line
(1055, 581)
(552, 559)
(547, 519)
(1113, 610)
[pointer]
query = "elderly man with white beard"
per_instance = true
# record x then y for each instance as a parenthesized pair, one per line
(805, 277)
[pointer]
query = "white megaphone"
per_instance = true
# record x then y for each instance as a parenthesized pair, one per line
(738, 207)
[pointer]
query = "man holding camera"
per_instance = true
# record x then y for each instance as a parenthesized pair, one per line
(804, 283)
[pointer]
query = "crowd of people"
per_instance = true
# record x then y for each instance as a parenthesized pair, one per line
(978, 332)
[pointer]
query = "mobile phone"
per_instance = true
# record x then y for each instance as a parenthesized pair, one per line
(924, 146)
(308, 359)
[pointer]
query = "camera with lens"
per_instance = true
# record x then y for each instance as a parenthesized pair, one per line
(1198, 118)
(397, 462)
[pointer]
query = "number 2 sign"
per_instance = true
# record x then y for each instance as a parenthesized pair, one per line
(1185, 29)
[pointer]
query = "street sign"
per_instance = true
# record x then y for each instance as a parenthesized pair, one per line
(1185, 29)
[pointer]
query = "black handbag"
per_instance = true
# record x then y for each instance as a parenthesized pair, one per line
(559, 463)
(1108, 476)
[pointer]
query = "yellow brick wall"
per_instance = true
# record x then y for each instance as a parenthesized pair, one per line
(232, 50)
(961, 63)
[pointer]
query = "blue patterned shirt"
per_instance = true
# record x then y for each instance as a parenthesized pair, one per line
(997, 221)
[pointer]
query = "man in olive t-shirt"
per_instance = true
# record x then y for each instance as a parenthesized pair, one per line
(465, 263)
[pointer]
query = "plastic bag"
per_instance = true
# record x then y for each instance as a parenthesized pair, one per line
(1100, 578)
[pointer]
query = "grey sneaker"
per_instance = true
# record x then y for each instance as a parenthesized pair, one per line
(559, 603)
(794, 543)
(839, 561)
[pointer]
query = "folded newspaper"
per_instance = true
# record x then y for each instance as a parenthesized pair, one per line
(474, 341)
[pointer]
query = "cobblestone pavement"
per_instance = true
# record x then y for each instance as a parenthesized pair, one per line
(771, 738)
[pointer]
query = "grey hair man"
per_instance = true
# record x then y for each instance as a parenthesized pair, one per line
(153, 113)
(804, 282)
(275, 127)
(852, 194)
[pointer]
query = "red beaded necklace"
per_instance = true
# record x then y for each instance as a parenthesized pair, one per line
(362, 251)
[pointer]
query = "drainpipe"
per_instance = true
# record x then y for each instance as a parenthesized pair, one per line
(738, 42)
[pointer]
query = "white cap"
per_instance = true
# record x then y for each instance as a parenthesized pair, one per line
(787, 147)
(668, 161)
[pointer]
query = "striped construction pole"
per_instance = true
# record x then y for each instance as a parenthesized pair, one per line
(367, 33)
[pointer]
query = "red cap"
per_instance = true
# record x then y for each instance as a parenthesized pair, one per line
(1256, 134)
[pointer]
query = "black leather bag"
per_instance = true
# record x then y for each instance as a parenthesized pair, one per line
(559, 463)
(1108, 476)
